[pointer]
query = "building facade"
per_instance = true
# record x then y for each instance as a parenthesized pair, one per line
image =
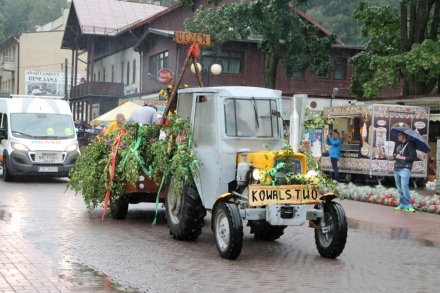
(137, 52)
(34, 64)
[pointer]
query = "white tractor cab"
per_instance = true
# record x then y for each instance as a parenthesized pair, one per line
(236, 132)
(37, 137)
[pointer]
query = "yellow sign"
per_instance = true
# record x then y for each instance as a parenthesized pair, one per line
(189, 38)
(260, 195)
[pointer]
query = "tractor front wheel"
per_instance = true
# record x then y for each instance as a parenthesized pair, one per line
(228, 230)
(330, 240)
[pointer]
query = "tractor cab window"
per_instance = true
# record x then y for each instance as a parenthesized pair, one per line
(251, 118)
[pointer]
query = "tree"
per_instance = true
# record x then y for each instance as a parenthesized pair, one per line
(23, 15)
(403, 49)
(2, 28)
(337, 16)
(284, 35)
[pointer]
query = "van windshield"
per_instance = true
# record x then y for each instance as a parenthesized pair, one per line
(42, 126)
(251, 118)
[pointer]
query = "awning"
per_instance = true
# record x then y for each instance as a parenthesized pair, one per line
(126, 109)
(434, 117)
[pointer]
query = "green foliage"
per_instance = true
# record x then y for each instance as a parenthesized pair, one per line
(193, 2)
(284, 35)
(2, 27)
(170, 155)
(24, 15)
(337, 16)
(315, 120)
(403, 49)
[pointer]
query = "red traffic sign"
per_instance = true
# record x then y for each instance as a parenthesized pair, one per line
(164, 76)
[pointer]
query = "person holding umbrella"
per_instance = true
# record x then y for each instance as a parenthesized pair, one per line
(409, 141)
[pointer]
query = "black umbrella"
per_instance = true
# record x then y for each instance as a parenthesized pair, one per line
(420, 143)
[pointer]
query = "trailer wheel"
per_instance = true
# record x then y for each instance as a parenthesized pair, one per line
(7, 177)
(228, 230)
(119, 208)
(185, 213)
(331, 243)
(262, 230)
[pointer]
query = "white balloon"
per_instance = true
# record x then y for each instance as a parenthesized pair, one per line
(216, 69)
(199, 66)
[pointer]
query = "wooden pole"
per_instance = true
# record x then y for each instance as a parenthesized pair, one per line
(198, 75)
(173, 96)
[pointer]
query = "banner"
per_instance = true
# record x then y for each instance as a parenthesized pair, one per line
(45, 83)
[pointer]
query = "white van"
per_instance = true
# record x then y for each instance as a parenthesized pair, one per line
(37, 137)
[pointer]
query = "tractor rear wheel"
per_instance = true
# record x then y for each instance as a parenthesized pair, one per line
(185, 213)
(262, 230)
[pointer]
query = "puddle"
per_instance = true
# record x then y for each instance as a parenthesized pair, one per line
(397, 233)
(85, 278)
(389, 232)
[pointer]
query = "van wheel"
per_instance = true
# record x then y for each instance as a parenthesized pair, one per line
(331, 243)
(185, 213)
(262, 230)
(7, 177)
(228, 230)
(119, 208)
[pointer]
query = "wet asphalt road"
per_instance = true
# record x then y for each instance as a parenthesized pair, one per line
(134, 256)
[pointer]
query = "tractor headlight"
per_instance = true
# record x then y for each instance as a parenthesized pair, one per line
(257, 174)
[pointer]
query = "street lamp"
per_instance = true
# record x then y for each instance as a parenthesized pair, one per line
(215, 69)
(193, 70)
(334, 93)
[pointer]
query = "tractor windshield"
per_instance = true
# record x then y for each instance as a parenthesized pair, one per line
(251, 118)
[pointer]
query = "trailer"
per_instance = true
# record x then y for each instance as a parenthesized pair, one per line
(368, 147)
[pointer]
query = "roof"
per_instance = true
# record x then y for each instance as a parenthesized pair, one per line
(236, 91)
(109, 17)
(432, 102)
(316, 24)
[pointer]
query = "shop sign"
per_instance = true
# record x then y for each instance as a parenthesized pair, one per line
(164, 76)
(186, 38)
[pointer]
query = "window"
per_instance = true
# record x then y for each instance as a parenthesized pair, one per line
(103, 74)
(134, 72)
(122, 72)
(231, 61)
(203, 122)
(340, 68)
(127, 82)
(37, 125)
(299, 74)
(158, 62)
(325, 76)
(251, 118)
(94, 76)
(99, 75)
(113, 73)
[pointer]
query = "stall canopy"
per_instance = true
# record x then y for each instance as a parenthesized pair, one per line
(126, 109)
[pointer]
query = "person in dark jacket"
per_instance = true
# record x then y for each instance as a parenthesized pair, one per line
(335, 144)
(404, 157)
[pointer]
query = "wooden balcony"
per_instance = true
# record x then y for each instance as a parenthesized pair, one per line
(97, 89)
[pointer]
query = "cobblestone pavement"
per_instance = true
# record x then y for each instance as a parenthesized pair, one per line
(50, 242)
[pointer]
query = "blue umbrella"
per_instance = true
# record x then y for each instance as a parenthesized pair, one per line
(420, 143)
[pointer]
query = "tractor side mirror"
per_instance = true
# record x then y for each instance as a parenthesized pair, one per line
(276, 113)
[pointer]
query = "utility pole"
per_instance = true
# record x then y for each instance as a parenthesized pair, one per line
(65, 79)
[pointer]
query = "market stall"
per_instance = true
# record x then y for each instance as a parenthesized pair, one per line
(368, 147)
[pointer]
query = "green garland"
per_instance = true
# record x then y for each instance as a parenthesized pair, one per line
(143, 149)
